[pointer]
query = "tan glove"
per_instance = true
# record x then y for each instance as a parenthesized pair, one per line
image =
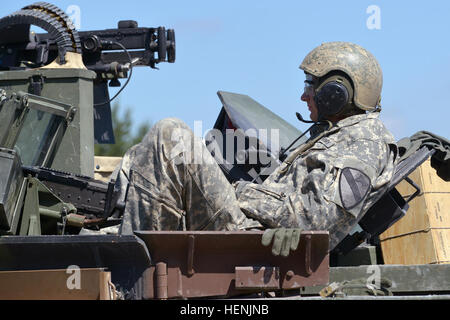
(284, 240)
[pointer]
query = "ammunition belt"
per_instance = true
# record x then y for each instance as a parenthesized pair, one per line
(50, 18)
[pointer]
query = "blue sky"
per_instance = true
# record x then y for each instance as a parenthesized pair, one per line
(255, 48)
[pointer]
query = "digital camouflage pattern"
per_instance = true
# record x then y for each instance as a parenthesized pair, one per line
(171, 190)
(358, 63)
(175, 184)
(306, 194)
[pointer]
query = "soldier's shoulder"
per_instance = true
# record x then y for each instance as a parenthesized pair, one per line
(380, 129)
(369, 126)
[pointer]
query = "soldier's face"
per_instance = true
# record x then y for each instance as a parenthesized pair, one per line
(308, 97)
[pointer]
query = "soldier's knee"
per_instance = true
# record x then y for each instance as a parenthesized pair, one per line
(167, 132)
(169, 124)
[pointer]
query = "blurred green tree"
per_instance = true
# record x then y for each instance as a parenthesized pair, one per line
(123, 128)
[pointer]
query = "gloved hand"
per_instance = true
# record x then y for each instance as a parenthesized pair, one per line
(358, 287)
(284, 240)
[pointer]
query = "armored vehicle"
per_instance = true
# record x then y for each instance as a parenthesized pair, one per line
(58, 219)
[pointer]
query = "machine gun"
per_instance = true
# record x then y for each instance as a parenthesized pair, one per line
(54, 100)
(20, 49)
(110, 53)
(39, 201)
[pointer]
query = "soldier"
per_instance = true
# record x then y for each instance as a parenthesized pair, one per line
(328, 183)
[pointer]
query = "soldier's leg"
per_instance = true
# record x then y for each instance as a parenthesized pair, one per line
(175, 184)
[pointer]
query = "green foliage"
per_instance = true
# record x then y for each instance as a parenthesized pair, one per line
(122, 125)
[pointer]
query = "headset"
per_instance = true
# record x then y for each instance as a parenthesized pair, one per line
(334, 95)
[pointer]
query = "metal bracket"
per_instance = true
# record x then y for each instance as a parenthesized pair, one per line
(45, 104)
(161, 281)
(49, 206)
(31, 222)
(415, 186)
(37, 84)
(308, 255)
(190, 259)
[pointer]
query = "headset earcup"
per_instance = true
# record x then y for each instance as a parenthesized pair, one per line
(331, 98)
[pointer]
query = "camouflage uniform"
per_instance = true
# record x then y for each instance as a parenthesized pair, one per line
(175, 184)
(169, 189)
(307, 193)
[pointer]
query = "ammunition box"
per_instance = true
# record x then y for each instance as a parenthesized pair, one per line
(423, 235)
(75, 88)
(11, 179)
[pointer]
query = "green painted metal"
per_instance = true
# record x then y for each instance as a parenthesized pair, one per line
(362, 255)
(31, 220)
(73, 87)
(42, 206)
(406, 280)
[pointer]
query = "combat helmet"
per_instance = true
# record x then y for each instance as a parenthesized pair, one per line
(329, 61)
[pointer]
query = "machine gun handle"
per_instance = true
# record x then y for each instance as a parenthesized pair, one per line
(162, 44)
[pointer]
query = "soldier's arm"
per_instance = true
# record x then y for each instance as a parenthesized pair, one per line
(330, 196)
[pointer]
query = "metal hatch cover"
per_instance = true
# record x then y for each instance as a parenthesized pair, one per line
(246, 113)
